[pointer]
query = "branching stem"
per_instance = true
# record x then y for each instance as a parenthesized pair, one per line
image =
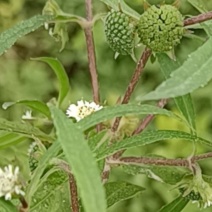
(198, 19)
(133, 82)
(182, 162)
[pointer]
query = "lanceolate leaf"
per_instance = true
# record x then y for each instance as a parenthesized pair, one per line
(52, 194)
(82, 163)
(119, 191)
(145, 138)
(176, 205)
(24, 129)
(98, 139)
(184, 103)
(33, 104)
(166, 174)
(43, 163)
(121, 110)
(10, 36)
(194, 73)
(61, 75)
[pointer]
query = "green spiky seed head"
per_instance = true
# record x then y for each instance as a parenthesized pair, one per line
(120, 31)
(161, 28)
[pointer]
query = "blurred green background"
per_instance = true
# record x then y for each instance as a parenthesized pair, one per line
(21, 78)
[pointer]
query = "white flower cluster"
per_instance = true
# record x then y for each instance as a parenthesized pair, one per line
(82, 109)
(9, 183)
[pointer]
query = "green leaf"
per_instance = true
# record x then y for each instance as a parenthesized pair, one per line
(7, 206)
(163, 174)
(199, 5)
(184, 103)
(176, 205)
(145, 138)
(24, 129)
(8, 139)
(121, 110)
(98, 139)
(82, 163)
(52, 195)
(33, 104)
(194, 73)
(119, 191)
(10, 36)
(61, 75)
(43, 163)
(116, 5)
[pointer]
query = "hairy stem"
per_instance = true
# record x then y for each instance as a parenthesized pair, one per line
(182, 162)
(74, 194)
(91, 53)
(144, 123)
(133, 82)
(198, 19)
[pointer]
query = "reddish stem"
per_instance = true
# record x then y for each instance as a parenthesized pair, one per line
(133, 82)
(198, 19)
(91, 53)
(183, 162)
(74, 194)
(144, 123)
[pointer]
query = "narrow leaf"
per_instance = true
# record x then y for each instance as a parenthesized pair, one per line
(119, 191)
(24, 129)
(184, 103)
(82, 163)
(176, 205)
(145, 138)
(60, 72)
(33, 104)
(43, 163)
(98, 139)
(194, 73)
(121, 110)
(163, 174)
(10, 36)
(52, 194)
(7, 206)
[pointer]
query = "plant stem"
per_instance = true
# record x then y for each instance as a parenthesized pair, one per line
(24, 204)
(133, 82)
(74, 194)
(182, 162)
(91, 53)
(198, 19)
(144, 123)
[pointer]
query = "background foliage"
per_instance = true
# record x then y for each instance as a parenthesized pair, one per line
(22, 78)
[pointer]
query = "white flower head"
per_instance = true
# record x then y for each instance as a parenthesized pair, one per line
(82, 109)
(9, 182)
